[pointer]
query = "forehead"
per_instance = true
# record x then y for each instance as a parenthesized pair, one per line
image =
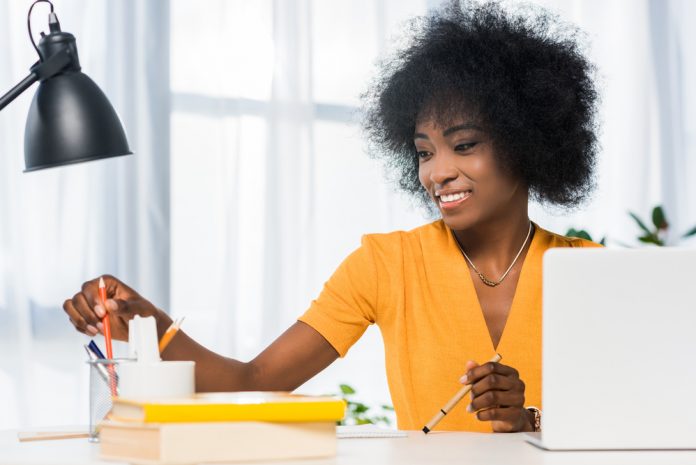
(431, 127)
(445, 110)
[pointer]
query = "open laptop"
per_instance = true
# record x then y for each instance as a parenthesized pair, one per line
(619, 349)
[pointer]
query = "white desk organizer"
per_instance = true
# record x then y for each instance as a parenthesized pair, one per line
(149, 377)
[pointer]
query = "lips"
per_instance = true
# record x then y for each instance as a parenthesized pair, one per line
(452, 199)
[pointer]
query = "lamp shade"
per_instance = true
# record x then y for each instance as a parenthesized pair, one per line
(70, 121)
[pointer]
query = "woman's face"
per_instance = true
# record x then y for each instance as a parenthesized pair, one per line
(457, 167)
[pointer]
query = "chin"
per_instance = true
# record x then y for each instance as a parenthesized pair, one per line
(460, 221)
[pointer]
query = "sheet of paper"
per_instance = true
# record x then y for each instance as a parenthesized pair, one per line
(368, 431)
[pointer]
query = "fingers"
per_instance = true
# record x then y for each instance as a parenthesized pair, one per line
(497, 395)
(496, 399)
(90, 290)
(115, 289)
(478, 372)
(86, 310)
(497, 382)
(506, 420)
(122, 308)
(470, 365)
(79, 321)
(83, 307)
(111, 306)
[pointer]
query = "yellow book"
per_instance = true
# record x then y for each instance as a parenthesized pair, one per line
(210, 442)
(231, 406)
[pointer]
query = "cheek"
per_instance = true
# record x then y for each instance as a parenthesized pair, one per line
(491, 182)
(424, 176)
(500, 189)
(480, 171)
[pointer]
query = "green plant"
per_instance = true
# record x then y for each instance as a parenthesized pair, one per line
(581, 233)
(357, 413)
(657, 234)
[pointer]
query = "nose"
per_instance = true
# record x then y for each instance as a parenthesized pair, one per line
(443, 170)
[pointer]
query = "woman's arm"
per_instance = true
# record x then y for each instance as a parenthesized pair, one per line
(296, 356)
(293, 358)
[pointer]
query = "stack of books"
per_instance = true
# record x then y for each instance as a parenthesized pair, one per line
(221, 427)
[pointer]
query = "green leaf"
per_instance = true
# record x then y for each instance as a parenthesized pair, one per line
(658, 218)
(581, 233)
(603, 241)
(641, 225)
(347, 390)
(388, 407)
(360, 408)
(691, 232)
(651, 239)
(363, 421)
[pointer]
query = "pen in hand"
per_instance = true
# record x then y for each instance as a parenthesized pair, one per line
(107, 337)
(107, 324)
(452, 402)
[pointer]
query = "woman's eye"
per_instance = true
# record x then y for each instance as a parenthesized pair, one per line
(422, 154)
(464, 147)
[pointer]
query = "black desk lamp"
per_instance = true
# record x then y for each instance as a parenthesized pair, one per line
(70, 119)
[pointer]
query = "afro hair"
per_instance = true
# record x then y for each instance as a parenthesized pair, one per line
(520, 74)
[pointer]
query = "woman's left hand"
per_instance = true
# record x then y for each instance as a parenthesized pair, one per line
(497, 395)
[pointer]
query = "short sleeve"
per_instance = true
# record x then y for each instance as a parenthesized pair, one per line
(347, 304)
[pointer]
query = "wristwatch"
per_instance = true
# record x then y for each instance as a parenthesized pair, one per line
(537, 418)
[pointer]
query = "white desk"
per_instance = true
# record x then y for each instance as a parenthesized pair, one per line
(435, 448)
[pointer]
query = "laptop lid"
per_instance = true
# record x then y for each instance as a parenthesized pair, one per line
(619, 349)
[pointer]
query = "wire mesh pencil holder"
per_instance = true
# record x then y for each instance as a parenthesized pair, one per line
(103, 387)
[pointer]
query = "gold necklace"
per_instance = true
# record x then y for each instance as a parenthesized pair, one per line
(489, 282)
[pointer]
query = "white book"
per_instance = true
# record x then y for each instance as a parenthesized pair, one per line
(189, 443)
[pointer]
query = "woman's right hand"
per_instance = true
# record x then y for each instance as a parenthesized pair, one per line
(86, 311)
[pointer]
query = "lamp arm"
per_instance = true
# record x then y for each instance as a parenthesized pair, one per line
(18, 89)
(40, 71)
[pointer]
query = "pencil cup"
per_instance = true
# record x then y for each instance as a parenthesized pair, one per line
(103, 386)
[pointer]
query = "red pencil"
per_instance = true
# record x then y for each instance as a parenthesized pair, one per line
(107, 335)
(107, 325)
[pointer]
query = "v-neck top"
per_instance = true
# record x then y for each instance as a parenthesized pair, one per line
(416, 286)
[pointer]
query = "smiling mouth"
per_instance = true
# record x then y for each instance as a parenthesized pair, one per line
(452, 200)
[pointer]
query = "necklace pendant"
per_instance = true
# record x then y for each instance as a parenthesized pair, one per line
(487, 281)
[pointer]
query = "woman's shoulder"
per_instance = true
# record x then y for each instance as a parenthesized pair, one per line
(550, 240)
(431, 233)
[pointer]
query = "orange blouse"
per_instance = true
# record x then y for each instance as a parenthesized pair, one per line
(416, 286)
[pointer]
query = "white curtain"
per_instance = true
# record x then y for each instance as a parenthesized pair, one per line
(249, 182)
(645, 62)
(271, 188)
(62, 226)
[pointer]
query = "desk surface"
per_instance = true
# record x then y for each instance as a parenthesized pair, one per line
(435, 448)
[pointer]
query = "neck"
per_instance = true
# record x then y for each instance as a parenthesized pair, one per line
(493, 245)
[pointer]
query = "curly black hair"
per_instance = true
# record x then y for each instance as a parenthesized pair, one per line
(520, 74)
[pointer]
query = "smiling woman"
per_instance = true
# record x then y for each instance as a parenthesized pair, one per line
(457, 165)
(519, 76)
(483, 109)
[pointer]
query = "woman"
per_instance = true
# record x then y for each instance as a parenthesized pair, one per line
(482, 109)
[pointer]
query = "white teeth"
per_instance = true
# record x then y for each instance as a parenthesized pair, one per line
(454, 197)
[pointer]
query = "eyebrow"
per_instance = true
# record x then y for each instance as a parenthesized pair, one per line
(452, 130)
